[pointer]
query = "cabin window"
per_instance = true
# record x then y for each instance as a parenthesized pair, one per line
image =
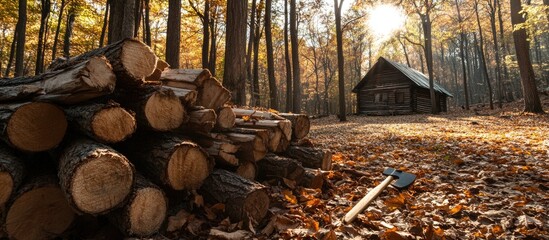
(399, 97)
(381, 97)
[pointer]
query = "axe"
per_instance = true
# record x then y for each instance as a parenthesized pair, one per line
(404, 180)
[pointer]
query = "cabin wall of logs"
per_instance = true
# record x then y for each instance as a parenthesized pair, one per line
(116, 135)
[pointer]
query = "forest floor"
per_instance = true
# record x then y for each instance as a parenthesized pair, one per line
(479, 175)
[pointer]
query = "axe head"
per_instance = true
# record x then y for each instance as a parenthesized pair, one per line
(404, 179)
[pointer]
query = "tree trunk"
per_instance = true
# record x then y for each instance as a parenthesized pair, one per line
(234, 77)
(57, 30)
(206, 34)
(106, 123)
(483, 59)
(249, 50)
(255, 81)
(12, 172)
(289, 104)
(21, 30)
(105, 22)
(12, 54)
(531, 98)
(492, 12)
(173, 36)
(340, 60)
(296, 100)
(169, 160)
(39, 66)
(68, 34)
(145, 211)
(138, 8)
(273, 166)
(506, 78)
(35, 204)
(156, 108)
(131, 61)
(74, 84)
(426, 23)
(24, 125)
(94, 177)
(244, 200)
(311, 157)
(273, 94)
(147, 22)
(462, 56)
(213, 44)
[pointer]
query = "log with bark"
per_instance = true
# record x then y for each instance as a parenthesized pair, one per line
(201, 121)
(221, 149)
(104, 122)
(247, 170)
(38, 210)
(280, 131)
(190, 79)
(77, 83)
(20, 92)
(261, 135)
(273, 166)
(186, 96)
(300, 124)
(169, 160)
(94, 177)
(311, 157)
(252, 147)
(156, 108)
(145, 211)
(211, 94)
(225, 118)
(313, 178)
(256, 114)
(32, 126)
(12, 173)
(161, 66)
(244, 200)
(131, 60)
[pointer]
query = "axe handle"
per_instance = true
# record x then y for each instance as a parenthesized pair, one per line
(366, 200)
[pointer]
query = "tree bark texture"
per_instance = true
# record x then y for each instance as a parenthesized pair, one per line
(234, 77)
(173, 35)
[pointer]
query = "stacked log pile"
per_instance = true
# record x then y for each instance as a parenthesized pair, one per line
(127, 137)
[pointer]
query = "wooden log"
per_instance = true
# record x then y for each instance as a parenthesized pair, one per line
(38, 210)
(187, 97)
(313, 178)
(244, 199)
(300, 124)
(161, 66)
(145, 211)
(74, 84)
(169, 160)
(282, 146)
(12, 173)
(200, 121)
(222, 150)
(131, 60)
(225, 118)
(20, 92)
(247, 170)
(311, 157)
(104, 122)
(211, 94)
(284, 125)
(33, 126)
(252, 147)
(94, 177)
(191, 79)
(273, 166)
(156, 108)
(256, 114)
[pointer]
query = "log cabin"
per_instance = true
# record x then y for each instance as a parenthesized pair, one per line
(391, 88)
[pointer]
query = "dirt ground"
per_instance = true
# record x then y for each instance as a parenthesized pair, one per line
(479, 175)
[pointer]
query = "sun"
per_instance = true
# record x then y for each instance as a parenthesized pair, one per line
(384, 20)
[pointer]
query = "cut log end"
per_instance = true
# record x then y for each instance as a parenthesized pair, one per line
(6, 181)
(301, 128)
(99, 73)
(147, 211)
(113, 125)
(164, 111)
(138, 59)
(101, 183)
(37, 127)
(188, 167)
(40, 213)
(225, 118)
(247, 170)
(256, 205)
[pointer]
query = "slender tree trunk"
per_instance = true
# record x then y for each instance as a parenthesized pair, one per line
(295, 58)
(251, 41)
(426, 23)
(21, 35)
(462, 56)
(506, 78)
(57, 30)
(405, 52)
(68, 34)
(128, 23)
(206, 34)
(492, 6)
(532, 102)
(116, 20)
(213, 47)
(270, 59)
(12, 54)
(39, 66)
(105, 22)
(483, 59)
(255, 81)
(234, 77)
(289, 81)
(340, 60)
(147, 29)
(173, 36)
(137, 15)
